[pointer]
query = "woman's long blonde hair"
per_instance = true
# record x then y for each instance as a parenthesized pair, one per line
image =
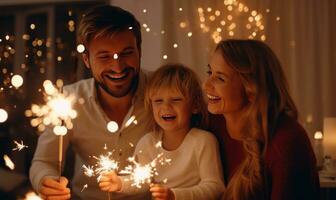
(180, 77)
(267, 89)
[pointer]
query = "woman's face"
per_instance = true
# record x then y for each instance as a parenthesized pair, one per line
(223, 87)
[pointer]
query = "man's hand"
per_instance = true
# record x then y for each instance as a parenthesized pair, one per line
(52, 189)
(110, 182)
(160, 192)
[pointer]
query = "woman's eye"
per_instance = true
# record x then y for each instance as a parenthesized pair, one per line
(221, 79)
(177, 99)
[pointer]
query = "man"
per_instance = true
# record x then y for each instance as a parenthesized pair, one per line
(112, 40)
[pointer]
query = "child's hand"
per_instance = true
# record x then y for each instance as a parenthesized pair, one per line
(160, 192)
(110, 182)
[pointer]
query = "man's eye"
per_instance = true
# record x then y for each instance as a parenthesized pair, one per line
(103, 57)
(126, 53)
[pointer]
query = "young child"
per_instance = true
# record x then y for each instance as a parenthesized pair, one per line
(174, 96)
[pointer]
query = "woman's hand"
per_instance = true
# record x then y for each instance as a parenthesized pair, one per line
(160, 192)
(110, 182)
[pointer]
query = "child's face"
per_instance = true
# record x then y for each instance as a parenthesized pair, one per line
(171, 110)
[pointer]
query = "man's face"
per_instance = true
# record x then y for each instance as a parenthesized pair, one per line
(114, 62)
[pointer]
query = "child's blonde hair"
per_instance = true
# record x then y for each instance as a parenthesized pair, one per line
(180, 77)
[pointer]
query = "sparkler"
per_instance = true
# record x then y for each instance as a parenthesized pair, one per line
(19, 146)
(144, 173)
(104, 164)
(32, 196)
(57, 112)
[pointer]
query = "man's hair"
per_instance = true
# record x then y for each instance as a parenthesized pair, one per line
(105, 20)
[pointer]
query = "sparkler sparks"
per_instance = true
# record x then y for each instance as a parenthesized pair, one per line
(19, 146)
(32, 196)
(84, 187)
(105, 164)
(88, 170)
(9, 163)
(57, 111)
(143, 174)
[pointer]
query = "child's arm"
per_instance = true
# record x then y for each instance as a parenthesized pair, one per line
(211, 185)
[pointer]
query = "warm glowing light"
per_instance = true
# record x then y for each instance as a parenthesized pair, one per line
(183, 24)
(80, 48)
(175, 45)
(144, 10)
(112, 126)
(189, 34)
(8, 162)
(17, 81)
(60, 130)
(57, 111)
(32, 196)
(3, 115)
(165, 57)
(130, 121)
(115, 56)
(32, 26)
(318, 135)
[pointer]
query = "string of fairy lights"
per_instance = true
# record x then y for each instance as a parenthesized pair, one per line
(228, 20)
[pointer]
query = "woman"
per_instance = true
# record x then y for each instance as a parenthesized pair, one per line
(266, 154)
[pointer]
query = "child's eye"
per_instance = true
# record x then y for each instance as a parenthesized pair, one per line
(209, 72)
(157, 100)
(177, 99)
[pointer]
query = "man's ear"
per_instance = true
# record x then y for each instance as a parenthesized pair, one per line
(85, 57)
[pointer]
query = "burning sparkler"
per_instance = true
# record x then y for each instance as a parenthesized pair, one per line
(144, 173)
(32, 196)
(19, 146)
(57, 112)
(105, 164)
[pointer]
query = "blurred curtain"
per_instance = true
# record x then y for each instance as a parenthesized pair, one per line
(303, 38)
(301, 32)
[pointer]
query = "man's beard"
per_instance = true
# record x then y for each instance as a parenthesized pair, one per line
(120, 92)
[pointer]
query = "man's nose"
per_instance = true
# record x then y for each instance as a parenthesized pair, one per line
(116, 64)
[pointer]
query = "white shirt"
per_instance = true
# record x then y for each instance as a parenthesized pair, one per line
(88, 138)
(195, 171)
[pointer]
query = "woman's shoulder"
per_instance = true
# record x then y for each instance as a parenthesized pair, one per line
(290, 143)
